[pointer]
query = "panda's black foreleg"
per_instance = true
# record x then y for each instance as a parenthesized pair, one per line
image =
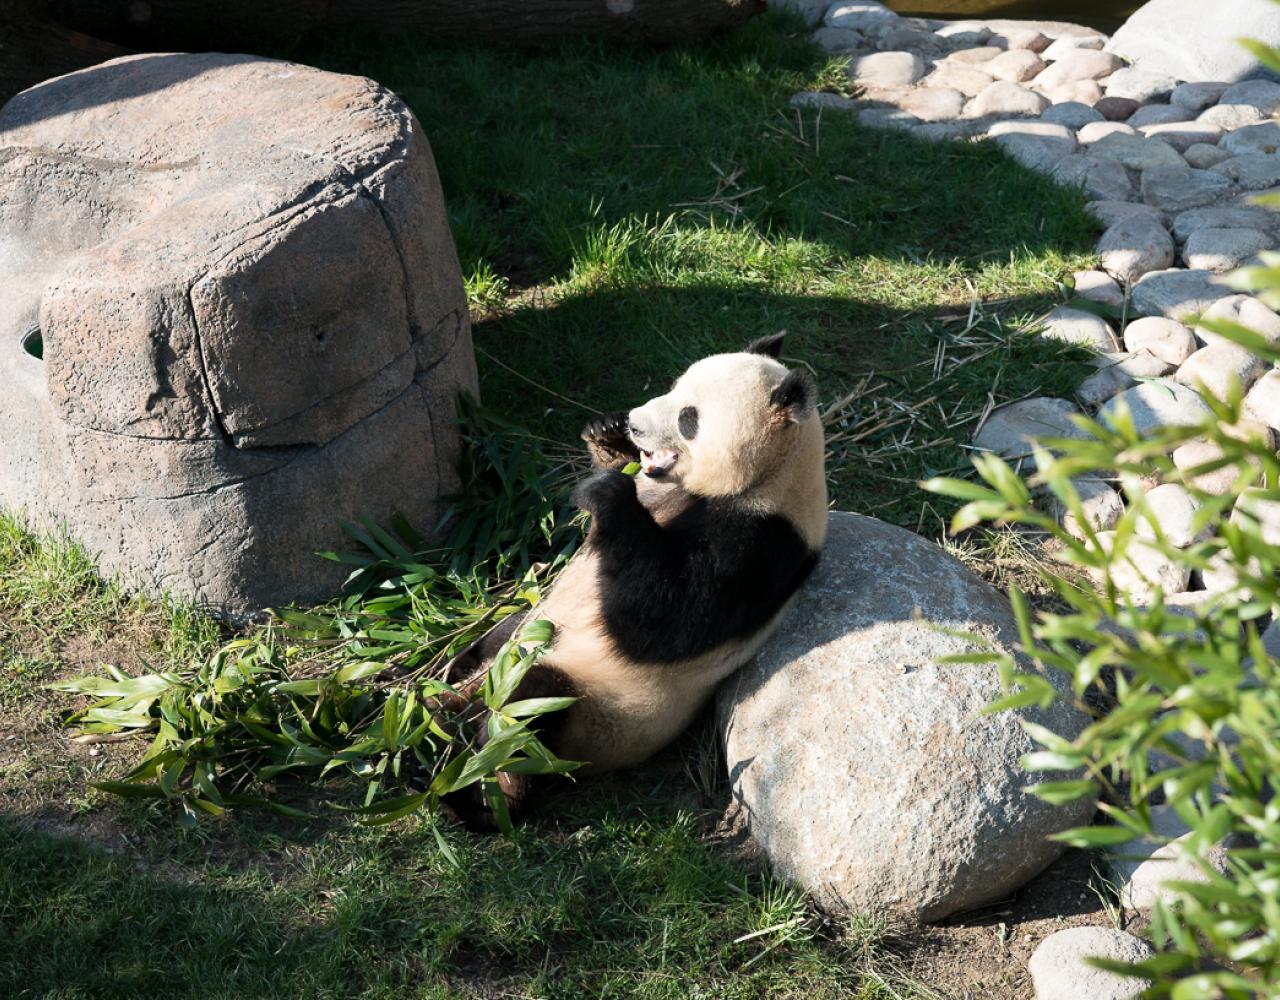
(477, 657)
(617, 516)
(607, 441)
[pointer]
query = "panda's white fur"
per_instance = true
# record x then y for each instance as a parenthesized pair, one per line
(689, 567)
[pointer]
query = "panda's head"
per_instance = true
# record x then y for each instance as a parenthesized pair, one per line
(728, 422)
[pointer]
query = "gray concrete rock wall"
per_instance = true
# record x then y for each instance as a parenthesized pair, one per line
(252, 315)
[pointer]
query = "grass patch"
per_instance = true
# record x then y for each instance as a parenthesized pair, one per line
(618, 213)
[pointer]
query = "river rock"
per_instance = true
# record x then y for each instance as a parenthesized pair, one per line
(1178, 188)
(1066, 44)
(933, 104)
(1109, 212)
(1079, 64)
(1197, 454)
(890, 118)
(1251, 171)
(865, 768)
(1213, 369)
(1167, 339)
(1005, 98)
(836, 40)
(1009, 431)
(1198, 96)
(1203, 156)
(1143, 569)
(1231, 116)
(1017, 65)
(1075, 326)
(1173, 509)
(1072, 114)
(1222, 217)
(1085, 92)
(1097, 177)
(1245, 310)
(1091, 132)
(1139, 153)
(973, 56)
(1194, 40)
(859, 16)
(253, 319)
(1263, 401)
(1144, 864)
(1224, 249)
(1101, 505)
(1116, 109)
(1263, 138)
(1160, 114)
(1117, 372)
(1134, 247)
(823, 100)
(1059, 970)
(886, 69)
(969, 80)
(1140, 84)
(1159, 402)
(1182, 135)
(1097, 286)
(1176, 293)
(1264, 95)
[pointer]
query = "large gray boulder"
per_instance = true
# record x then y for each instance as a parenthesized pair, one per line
(252, 317)
(866, 769)
(1197, 41)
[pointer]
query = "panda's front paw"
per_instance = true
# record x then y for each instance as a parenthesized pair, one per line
(608, 428)
(605, 491)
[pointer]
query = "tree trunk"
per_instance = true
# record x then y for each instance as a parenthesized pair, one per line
(237, 24)
(34, 48)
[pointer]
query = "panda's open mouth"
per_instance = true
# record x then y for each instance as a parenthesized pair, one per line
(658, 463)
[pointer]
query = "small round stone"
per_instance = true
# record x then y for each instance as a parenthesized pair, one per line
(1134, 247)
(1098, 286)
(1172, 508)
(1072, 114)
(1157, 403)
(1214, 369)
(1018, 65)
(1116, 109)
(1075, 326)
(1010, 430)
(1202, 156)
(886, 69)
(1245, 310)
(1166, 339)
(1224, 249)
(1263, 401)
(957, 76)
(1197, 96)
(1005, 98)
(1143, 568)
(1101, 505)
(1159, 114)
(1093, 131)
(933, 104)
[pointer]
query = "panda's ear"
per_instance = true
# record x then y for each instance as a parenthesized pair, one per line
(795, 396)
(770, 346)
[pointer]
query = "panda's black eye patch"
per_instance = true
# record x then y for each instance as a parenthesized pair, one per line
(687, 423)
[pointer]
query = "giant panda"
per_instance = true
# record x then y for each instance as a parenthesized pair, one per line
(687, 567)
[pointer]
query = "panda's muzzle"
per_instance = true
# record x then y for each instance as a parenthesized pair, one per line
(654, 461)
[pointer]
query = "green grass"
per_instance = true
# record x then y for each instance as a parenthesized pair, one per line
(617, 213)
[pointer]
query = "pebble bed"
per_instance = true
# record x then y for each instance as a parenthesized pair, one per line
(1172, 169)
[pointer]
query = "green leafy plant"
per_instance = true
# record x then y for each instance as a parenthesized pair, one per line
(1186, 699)
(354, 688)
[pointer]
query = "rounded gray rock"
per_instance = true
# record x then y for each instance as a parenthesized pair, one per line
(1176, 293)
(1134, 247)
(866, 769)
(1224, 249)
(1059, 971)
(1198, 96)
(1160, 402)
(1075, 326)
(1176, 188)
(1263, 401)
(1245, 310)
(1173, 508)
(886, 69)
(1213, 369)
(1005, 98)
(1167, 339)
(1072, 114)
